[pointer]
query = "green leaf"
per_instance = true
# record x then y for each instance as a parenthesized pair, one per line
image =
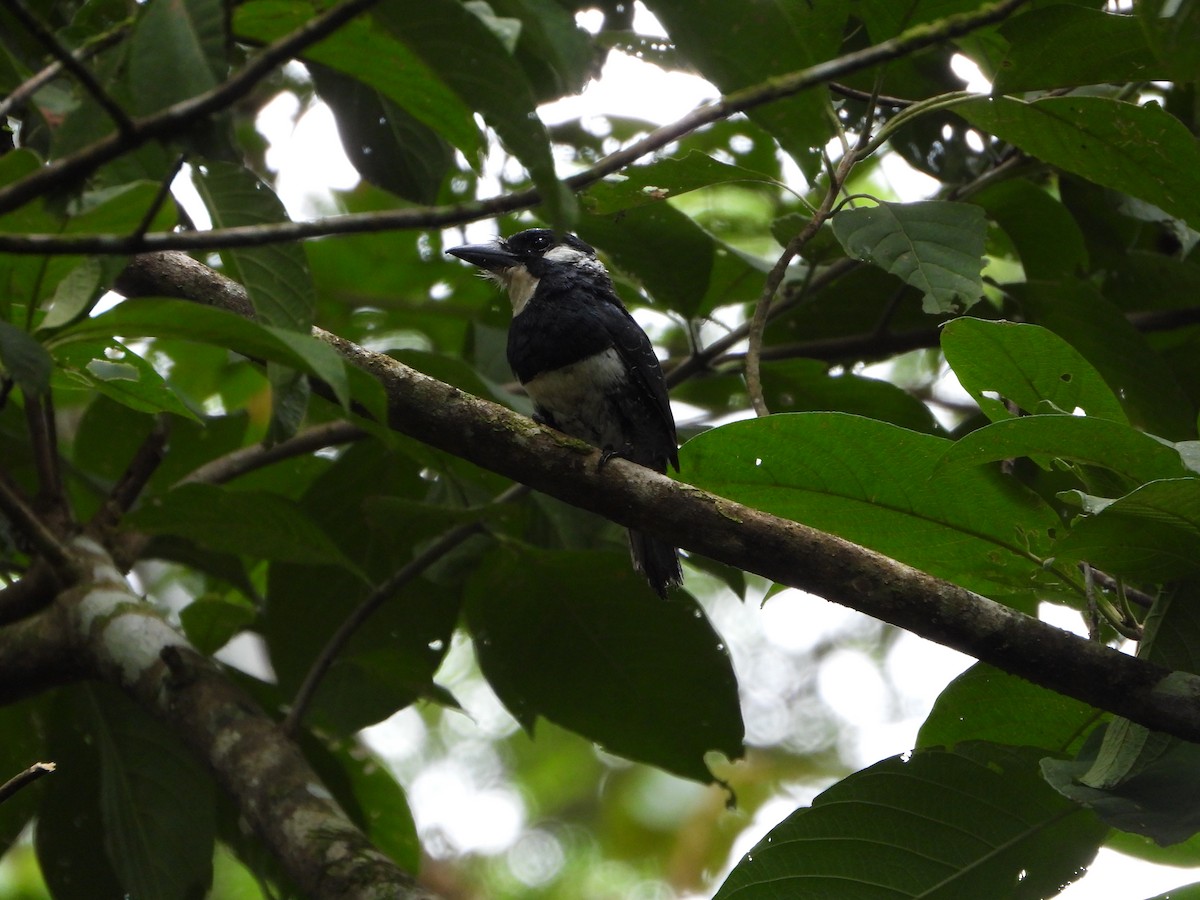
(363, 51)
(373, 798)
(256, 523)
(1027, 365)
(662, 179)
(24, 360)
(155, 317)
(985, 704)
(647, 243)
(185, 38)
(979, 822)
(735, 48)
(1098, 442)
(1117, 50)
(1140, 150)
(873, 483)
(389, 147)
(155, 799)
(468, 57)
(275, 276)
(1043, 231)
(211, 622)
(646, 679)
(799, 385)
(117, 372)
(1152, 533)
(935, 245)
(1150, 394)
(24, 744)
(556, 53)
(386, 666)
(76, 292)
(1138, 780)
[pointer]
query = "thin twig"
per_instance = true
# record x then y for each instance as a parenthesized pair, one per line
(419, 563)
(22, 92)
(39, 415)
(77, 165)
(164, 191)
(69, 169)
(29, 776)
(67, 60)
(17, 509)
(762, 309)
(133, 480)
(239, 462)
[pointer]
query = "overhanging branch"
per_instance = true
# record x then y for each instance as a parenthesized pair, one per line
(461, 213)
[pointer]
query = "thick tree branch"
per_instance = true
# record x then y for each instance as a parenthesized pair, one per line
(120, 639)
(457, 214)
(786, 552)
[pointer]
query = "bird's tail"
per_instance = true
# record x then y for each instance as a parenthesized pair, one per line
(657, 560)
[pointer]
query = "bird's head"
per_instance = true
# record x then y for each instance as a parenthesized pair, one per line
(519, 263)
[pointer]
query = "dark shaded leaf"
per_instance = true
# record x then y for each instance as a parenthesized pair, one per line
(735, 46)
(979, 823)
(644, 678)
(1044, 232)
(185, 38)
(24, 360)
(873, 483)
(985, 704)
(244, 522)
(1140, 150)
(1152, 533)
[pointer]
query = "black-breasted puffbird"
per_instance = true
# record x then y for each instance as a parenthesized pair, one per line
(586, 364)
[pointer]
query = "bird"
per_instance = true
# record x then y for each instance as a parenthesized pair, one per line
(588, 367)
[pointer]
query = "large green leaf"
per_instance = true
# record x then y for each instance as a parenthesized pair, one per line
(1141, 150)
(648, 243)
(1149, 392)
(387, 145)
(132, 812)
(1044, 232)
(365, 52)
(469, 57)
(600, 655)
(934, 245)
(1117, 50)
(800, 385)
(185, 38)
(1098, 442)
(1028, 365)
(1139, 780)
(24, 360)
(360, 500)
(877, 485)
(116, 371)
(275, 276)
(256, 523)
(979, 822)
(735, 46)
(985, 704)
(154, 317)
(1152, 533)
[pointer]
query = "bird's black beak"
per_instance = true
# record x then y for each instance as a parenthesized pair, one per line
(492, 257)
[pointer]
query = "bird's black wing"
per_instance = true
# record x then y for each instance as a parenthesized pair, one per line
(636, 351)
